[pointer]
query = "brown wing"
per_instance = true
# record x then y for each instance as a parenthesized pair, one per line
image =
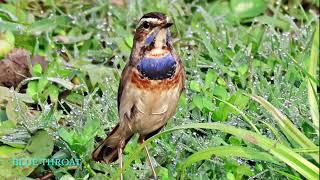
(183, 72)
(123, 80)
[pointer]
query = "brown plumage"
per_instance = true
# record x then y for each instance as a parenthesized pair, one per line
(145, 101)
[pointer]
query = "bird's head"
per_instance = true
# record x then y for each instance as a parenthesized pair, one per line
(152, 32)
(153, 54)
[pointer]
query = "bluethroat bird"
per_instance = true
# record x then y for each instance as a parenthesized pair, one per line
(149, 90)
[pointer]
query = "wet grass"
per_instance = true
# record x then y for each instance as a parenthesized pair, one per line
(249, 109)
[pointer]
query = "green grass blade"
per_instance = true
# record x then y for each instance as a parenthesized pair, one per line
(67, 84)
(307, 150)
(283, 153)
(303, 70)
(287, 126)
(312, 69)
(245, 117)
(290, 176)
(226, 151)
(275, 132)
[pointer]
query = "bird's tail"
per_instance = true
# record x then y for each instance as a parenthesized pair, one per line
(107, 151)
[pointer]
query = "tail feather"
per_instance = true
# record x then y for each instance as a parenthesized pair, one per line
(107, 151)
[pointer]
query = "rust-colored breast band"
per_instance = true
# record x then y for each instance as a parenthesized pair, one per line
(155, 85)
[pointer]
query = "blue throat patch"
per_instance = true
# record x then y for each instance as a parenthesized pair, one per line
(157, 68)
(150, 39)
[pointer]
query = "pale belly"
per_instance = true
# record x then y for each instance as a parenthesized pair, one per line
(152, 109)
(155, 109)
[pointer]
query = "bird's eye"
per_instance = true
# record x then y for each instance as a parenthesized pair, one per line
(146, 25)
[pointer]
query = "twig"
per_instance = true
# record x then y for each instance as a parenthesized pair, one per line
(46, 176)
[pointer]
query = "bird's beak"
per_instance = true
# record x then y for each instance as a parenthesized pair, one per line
(159, 33)
(166, 25)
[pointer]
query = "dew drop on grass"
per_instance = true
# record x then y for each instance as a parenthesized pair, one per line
(108, 43)
(47, 107)
(20, 29)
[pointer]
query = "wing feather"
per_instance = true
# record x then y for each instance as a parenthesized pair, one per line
(123, 81)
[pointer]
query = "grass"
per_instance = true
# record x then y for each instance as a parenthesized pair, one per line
(249, 110)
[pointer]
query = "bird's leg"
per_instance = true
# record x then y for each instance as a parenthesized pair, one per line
(121, 162)
(120, 156)
(150, 162)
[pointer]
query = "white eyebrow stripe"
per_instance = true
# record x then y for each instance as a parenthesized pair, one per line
(154, 20)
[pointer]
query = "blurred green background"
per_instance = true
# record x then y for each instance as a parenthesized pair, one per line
(250, 109)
